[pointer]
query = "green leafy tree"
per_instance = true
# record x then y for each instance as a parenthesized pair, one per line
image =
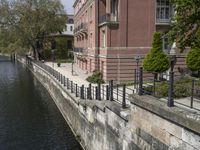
(29, 20)
(61, 48)
(185, 22)
(193, 56)
(156, 60)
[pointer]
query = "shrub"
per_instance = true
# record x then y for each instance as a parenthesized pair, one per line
(156, 60)
(193, 59)
(96, 77)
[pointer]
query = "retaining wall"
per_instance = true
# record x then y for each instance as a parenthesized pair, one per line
(104, 125)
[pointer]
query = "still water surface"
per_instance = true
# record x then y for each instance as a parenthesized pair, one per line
(29, 119)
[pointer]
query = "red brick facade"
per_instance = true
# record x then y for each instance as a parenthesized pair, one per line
(109, 34)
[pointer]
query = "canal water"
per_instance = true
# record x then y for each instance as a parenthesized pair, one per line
(29, 119)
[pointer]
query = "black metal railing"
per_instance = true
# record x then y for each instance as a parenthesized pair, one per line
(98, 92)
(186, 91)
(78, 50)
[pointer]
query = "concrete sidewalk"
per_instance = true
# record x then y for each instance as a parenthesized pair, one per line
(78, 77)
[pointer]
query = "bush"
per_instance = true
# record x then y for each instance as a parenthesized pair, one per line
(193, 59)
(182, 88)
(156, 60)
(95, 78)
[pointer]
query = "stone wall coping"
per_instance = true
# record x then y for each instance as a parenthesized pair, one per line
(103, 105)
(186, 118)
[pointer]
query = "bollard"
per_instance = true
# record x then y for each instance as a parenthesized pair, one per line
(124, 97)
(111, 90)
(107, 92)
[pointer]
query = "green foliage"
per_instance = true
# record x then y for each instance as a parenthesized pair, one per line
(185, 23)
(193, 59)
(61, 48)
(156, 60)
(182, 88)
(26, 21)
(95, 78)
(47, 54)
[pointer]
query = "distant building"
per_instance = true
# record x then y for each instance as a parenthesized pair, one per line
(109, 34)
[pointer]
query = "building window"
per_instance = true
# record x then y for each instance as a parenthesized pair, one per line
(104, 38)
(164, 10)
(71, 21)
(165, 43)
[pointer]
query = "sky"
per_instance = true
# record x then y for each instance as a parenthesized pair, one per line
(68, 6)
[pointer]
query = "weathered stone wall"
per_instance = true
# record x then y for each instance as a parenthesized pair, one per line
(103, 125)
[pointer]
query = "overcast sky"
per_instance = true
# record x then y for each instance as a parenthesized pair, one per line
(68, 5)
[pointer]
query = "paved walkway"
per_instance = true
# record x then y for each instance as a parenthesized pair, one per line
(79, 76)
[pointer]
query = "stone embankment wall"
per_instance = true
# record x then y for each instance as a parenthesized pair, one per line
(104, 125)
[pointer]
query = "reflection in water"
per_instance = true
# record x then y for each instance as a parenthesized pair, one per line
(29, 119)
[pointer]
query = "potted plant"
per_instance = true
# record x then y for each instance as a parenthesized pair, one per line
(59, 62)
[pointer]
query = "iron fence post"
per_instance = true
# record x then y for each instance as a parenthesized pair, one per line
(124, 97)
(82, 92)
(192, 95)
(68, 83)
(107, 92)
(111, 90)
(64, 81)
(96, 92)
(89, 92)
(72, 87)
(76, 90)
(140, 92)
(170, 101)
(99, 91)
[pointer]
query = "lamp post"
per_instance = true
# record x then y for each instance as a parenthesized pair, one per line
(170, 102)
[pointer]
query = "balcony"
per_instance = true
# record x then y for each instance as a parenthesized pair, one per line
(108, 19)
(78, 50)
(81, 29)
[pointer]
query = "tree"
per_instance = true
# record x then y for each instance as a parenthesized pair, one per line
(193, 56)
(28, 21)
(156, 60)
(185, 22)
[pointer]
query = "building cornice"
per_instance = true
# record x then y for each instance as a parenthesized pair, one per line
(75, 3)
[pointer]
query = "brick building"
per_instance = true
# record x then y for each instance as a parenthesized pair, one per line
(110, 34)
